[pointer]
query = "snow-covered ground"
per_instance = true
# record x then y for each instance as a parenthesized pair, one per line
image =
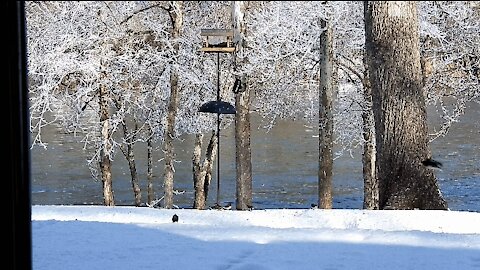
(99, 237)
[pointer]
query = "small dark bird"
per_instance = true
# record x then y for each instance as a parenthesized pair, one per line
(430, 163)
(216, 206)
(175, 218)
(228, 206)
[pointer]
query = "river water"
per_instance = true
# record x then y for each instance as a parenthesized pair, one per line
(285, 166)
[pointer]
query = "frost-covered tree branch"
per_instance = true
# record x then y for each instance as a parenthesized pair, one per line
(451, 58)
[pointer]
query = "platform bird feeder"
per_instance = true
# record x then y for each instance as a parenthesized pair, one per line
(219, 41)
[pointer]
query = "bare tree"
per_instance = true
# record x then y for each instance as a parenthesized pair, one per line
(325, 119)
(127, 151)
(150, 184)
(106, 146)
(450, 64)
(393, 61)
(176, 15)
(97, 56)
(350, 61)
(243, 97)
(202, 172)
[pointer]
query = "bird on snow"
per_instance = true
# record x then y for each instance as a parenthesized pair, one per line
(175, 218)
(430, 163)
(217, 206)
(228, 206)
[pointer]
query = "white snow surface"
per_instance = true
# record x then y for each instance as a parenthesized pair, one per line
(122, 237)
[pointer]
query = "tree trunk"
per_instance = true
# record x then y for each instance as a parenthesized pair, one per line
(243, 151)
(202, 174)
(370, 182)
(150, 189)
(198, 180)
(130, 139)
(325, 120)
(393, 61)
(106, 148)
(208, 162)
(243, 159)
(168, 144)
(175, 12)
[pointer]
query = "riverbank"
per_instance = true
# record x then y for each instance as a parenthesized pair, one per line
(99, 237)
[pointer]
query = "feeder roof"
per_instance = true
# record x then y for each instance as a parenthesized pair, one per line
(218, 106)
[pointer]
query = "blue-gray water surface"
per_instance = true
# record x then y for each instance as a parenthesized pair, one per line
(285, 167)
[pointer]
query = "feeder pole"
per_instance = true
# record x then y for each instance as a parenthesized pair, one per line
(218, 130)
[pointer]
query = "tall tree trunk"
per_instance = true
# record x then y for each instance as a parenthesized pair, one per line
(130, 156)
(243, 158)
(370, 182)
(106, 147)
(168, 143)
(393, 61)
(202, 173)
(325, 120)
(175, 12)
(150, 189)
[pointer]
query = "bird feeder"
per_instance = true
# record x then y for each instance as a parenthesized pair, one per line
(217, 40)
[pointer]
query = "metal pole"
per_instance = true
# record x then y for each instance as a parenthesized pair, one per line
(218, 130)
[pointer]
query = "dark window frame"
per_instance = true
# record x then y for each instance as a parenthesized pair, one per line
(14, 84)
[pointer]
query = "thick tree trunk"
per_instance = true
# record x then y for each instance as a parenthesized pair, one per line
(130, 139)
(106, 147)
(393, 60)
(202, 173)
(243, 151)
(175, 13)
(325, 120)
(242, 117)
(370, 182)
